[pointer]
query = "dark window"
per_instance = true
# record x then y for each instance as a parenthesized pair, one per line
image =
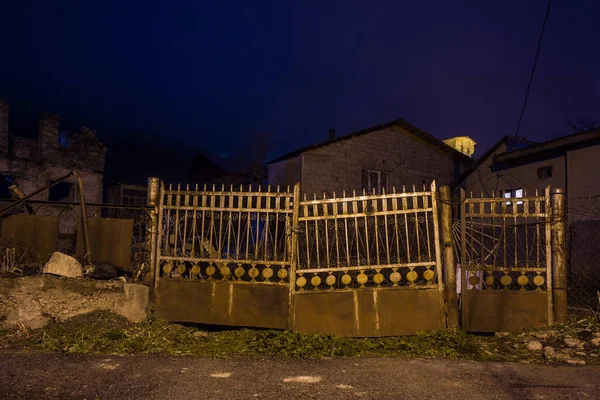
(5, 183)
(544, 172)
(59, 192)
(63, 139)
(374, 180)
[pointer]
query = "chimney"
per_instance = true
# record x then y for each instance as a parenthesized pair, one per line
(48, 131)
(4, 111)
(464, 144)
(331, 134)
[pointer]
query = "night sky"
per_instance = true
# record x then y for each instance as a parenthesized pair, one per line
(207, 76)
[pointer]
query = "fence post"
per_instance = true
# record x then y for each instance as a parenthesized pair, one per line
(153, 200)
(293, 254)
(449, 262)
(559, 261)
(84, 220)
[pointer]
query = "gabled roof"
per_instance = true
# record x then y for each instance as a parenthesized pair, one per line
(521, 150)
(410, 129)
(552, 147)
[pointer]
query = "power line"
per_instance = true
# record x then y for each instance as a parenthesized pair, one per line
(537, 54)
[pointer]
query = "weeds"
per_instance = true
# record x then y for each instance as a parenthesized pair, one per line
(106, 333)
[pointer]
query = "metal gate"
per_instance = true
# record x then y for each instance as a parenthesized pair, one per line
(223, 256)
(364, 265)
(505, 261)
(368, 265)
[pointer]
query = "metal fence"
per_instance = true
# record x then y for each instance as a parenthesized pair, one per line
(583, 252)
(369, 240)
(504, 243)
(225, 234)
(68, 237)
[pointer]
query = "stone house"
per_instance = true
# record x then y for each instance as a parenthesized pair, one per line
(377, 158)
(33, 163)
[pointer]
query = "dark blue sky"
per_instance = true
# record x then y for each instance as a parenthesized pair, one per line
(207, 76)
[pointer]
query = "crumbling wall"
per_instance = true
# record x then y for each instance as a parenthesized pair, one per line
(36, 300)
(32, 164)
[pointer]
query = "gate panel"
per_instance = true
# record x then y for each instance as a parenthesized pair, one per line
(224, 303)
(228, 249)
(506, 260)
(375, 258)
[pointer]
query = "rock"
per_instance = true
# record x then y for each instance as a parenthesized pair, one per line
(100, 270)
(502, 334)
(572, 342)
(63, 265)
(581, 353)
(549, 352)
(200, 334)
(543, 335)
(576, 362)
(595, 342)
(534, 346)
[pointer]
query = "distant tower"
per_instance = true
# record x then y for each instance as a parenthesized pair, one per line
(464, 144)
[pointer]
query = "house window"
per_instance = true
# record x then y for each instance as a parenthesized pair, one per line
(132, 197)
(513, 193)
(544, 172)
(374, 180)
(5, 182)
(64, 140)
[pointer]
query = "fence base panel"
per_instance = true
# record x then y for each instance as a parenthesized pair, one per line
(505, 312)
(223, 303)
(367, 313)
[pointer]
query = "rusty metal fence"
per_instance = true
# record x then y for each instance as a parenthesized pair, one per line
(504, 248)
(232, 234)
(66, 236)
(258, 257)
(369, 240)
(583, 252)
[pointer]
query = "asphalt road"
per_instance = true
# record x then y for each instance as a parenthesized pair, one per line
(25, 375)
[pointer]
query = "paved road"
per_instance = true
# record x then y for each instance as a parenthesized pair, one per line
(25, 375)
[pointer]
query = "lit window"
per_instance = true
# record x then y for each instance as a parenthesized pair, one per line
(513, 193)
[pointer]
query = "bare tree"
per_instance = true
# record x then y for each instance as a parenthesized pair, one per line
(250, 158)
(582, 124)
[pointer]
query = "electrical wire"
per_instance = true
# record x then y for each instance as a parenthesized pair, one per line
(537, 54)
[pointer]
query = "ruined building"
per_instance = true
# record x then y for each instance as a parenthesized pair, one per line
(33, 163)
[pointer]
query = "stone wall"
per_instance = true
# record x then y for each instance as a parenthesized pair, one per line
(35, 301)
(32, 164)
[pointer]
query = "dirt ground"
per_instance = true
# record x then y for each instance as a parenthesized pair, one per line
(35, 375)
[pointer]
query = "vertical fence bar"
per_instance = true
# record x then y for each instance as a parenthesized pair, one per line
(449, 264)
(463, 259)
(159, 234)
(294, 254)
(559, 273)
(438, 256)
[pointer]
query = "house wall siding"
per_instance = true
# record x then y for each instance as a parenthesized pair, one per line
(338, 166)
(484, 180)
(285, 173)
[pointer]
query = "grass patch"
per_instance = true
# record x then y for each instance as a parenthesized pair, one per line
(106, 333)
